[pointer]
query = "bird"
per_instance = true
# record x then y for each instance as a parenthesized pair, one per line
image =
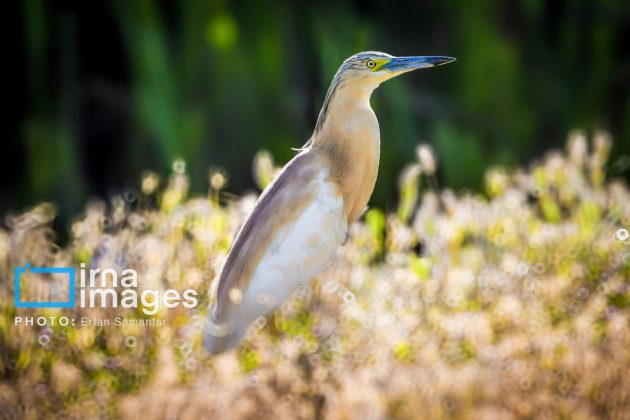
(302, 216)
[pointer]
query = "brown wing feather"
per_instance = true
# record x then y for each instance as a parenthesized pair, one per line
(280, 204)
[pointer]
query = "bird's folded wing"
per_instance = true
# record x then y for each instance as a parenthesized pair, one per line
(293, 231)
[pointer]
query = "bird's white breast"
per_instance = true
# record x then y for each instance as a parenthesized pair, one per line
(298, 251)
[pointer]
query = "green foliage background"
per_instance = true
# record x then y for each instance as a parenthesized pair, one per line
(212, 82)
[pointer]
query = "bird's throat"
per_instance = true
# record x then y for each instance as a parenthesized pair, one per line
(350, 142)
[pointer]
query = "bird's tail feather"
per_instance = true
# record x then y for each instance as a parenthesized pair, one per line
(220, 338)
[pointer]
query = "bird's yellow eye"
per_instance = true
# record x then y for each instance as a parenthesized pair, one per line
(370, 64)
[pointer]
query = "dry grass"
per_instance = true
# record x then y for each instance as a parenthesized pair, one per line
(513, 304)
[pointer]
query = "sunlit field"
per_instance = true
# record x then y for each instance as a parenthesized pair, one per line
(507, 304)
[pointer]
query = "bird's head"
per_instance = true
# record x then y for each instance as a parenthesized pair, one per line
(360, 74)
(374, 67)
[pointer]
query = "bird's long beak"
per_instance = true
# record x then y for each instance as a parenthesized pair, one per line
(404, 64)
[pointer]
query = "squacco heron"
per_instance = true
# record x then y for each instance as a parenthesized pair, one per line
(302, 217)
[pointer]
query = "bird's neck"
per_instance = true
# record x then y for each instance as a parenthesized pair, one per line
(349, 138)
(346, 118)
(344, 100)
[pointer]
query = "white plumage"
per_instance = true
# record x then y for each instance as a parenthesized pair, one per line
(298, 251)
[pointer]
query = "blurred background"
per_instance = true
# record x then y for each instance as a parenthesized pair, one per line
(99, 92)
(476, 292)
